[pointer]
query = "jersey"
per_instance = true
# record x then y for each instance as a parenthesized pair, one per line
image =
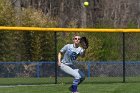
(71, 53)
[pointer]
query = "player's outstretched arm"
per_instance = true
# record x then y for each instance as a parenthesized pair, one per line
(59, 58)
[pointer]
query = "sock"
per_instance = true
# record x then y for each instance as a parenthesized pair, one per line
(75, 85)
(74, 88)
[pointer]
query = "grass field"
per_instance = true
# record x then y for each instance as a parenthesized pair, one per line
(32, 85)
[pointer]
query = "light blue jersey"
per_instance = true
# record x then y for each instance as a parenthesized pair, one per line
(70, 53)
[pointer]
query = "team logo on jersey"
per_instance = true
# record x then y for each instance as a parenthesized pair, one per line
(73, 55)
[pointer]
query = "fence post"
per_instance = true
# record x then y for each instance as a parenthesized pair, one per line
(88, 70)
(123, 57)
(38, 70)
(55, 40)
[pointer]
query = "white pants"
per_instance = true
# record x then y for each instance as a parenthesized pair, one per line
(70, 71)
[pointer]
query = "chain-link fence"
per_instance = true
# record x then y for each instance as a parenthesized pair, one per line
(32, 56)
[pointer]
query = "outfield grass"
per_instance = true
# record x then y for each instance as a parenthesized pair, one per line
(51, 80)
(83, 88)
(26, 81)
(92, 85)
(67, 80)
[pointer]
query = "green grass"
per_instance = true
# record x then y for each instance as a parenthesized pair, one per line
(83, 88)
(51, 80)
(92, 85)
(26, 81)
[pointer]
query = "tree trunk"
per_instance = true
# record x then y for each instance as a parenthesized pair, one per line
(83, 15)
(17, 7)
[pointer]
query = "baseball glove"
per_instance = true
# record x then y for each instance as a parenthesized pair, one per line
(84, 42)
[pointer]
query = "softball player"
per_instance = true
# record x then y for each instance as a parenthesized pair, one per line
(67, 64)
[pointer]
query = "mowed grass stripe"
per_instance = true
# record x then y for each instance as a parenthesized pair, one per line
(64, 80)
(83, 88)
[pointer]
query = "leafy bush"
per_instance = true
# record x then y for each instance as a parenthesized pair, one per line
(25, 46)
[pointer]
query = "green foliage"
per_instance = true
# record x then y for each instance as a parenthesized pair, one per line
(33, 17)
(131, 25)
(39, 46)
(111, 43)
(104, 23)
(25, 46)
(9, 45)
(7, 16)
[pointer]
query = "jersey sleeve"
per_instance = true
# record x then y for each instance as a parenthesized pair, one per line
(63, 50)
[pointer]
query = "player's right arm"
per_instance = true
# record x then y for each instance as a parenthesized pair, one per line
(63, 50)
(59, 58)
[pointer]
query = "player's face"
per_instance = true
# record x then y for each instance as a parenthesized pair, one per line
(76, 39)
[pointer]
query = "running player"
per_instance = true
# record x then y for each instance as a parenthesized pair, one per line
(67, 64)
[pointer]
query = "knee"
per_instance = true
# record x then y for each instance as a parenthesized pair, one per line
(77, 76)
(80, 75)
